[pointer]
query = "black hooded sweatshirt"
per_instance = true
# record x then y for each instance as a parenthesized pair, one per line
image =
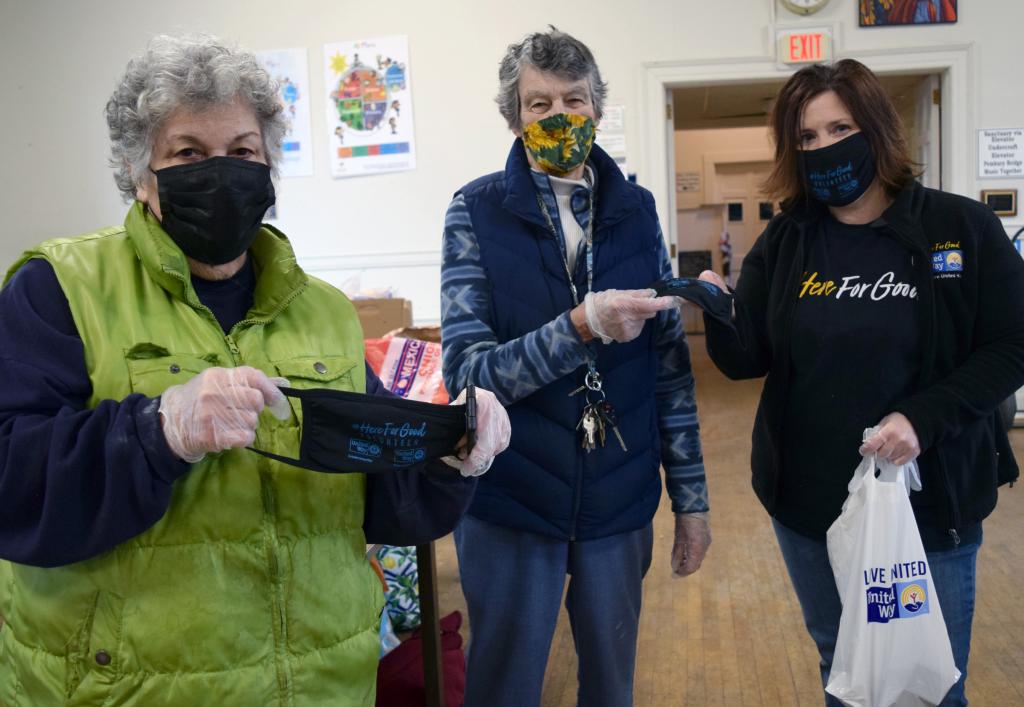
(969, 324)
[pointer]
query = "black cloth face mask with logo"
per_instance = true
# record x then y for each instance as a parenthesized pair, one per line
(839, 174)
(713, 300)
(346, 432)
(212, 209)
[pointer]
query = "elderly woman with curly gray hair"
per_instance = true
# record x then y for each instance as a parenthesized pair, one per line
(147, 557)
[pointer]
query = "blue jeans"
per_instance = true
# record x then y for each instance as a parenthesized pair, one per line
(953, 574)
(513, 582)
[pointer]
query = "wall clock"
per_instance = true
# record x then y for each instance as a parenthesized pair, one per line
(803, 7)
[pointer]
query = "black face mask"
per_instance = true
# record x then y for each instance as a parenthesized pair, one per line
(839, 174)
(356, 433)
(212, 209)
(713, 300)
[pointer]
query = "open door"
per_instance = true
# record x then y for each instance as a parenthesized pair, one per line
(670, 234)
(926, 142)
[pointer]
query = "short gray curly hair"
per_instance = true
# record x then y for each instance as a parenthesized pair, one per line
(192, 71)
(554, 52)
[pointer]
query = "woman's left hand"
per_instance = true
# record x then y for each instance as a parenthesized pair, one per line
(493, 432)
(895, 440)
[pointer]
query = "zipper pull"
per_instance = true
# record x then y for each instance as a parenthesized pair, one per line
(956, 538)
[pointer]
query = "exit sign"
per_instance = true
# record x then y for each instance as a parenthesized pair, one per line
(805, 47)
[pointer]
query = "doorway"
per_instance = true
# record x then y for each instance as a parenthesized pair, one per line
(723, 153)
(953, 124)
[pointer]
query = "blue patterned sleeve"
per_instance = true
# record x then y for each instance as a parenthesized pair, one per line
(677, 410)
(512, 369)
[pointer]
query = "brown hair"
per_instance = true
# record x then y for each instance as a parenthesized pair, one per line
(869, 105)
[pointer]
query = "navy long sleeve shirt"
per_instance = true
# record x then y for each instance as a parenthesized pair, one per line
(76, 482)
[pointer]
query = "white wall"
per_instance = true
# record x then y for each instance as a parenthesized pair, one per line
(61, 59)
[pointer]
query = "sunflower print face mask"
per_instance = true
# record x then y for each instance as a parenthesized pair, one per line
(560, 143)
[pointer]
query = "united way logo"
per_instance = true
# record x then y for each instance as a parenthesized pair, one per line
(913, 598)
(948, 261)
(903, 600)
(363, 450)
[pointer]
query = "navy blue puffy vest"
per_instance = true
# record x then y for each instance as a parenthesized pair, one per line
(545, 483)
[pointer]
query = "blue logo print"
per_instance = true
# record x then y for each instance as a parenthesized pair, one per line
(913, 597)
(362, 450)
(406, 457)
(903, 600)
(948, 261)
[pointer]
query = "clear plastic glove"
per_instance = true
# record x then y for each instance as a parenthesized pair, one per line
(620, 315)
(693, 537)
(219, 409)
(874, 442)
(493, 432)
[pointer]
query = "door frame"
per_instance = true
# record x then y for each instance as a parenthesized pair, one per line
(953, 63)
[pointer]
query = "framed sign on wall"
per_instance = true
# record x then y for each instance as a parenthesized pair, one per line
(1002, 201)
(881, 13)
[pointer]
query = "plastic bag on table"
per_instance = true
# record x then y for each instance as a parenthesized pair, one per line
(408, 367)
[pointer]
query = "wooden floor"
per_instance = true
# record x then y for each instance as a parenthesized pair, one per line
(732, 634)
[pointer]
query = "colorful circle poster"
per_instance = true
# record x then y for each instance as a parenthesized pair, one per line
(369, 106)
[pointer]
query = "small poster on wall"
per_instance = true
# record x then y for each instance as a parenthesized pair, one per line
(881, 13)
(369, 106)
(1001, 153)
(291, 70)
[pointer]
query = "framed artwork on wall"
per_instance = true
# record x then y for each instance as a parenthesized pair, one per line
(1002, 201)
(882, 13)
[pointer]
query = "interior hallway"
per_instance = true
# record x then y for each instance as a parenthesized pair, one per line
(732, 634)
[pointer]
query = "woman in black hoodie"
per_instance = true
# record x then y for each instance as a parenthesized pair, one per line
(871, 301)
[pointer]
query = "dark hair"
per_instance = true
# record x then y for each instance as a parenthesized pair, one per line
(870, 107)
(555, 52)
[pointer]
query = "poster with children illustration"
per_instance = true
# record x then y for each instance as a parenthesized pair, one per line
(369, 106)
(290, 68)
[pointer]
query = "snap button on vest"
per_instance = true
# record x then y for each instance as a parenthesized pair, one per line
(175, 368)
(320, 368)
(102, 658)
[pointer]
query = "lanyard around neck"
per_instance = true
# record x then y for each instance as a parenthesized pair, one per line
(593, 379)
(560, 239)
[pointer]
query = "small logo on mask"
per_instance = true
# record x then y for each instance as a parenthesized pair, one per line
(362, 450)
(839, 178)
(407, 457)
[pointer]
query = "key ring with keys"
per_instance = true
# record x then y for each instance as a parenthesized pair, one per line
(594, 390)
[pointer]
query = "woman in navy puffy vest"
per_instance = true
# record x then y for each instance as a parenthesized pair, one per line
(545, 301)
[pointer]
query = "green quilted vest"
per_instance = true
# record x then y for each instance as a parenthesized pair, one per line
(253, 589)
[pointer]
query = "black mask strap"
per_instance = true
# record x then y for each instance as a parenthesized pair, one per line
(710, 298)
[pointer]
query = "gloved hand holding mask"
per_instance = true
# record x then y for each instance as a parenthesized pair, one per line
(620, 315)
(346, 432)
(492, 435)
(217, 410)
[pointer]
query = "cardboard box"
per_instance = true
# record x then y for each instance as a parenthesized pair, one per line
(422, 333)
(379, 316)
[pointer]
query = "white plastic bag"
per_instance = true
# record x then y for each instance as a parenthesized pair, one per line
(893, 648)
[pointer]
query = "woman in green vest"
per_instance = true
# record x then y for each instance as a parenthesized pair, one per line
(148, 558)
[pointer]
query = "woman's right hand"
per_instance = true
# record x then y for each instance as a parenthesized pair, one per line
(714, 278)
(218, 409)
